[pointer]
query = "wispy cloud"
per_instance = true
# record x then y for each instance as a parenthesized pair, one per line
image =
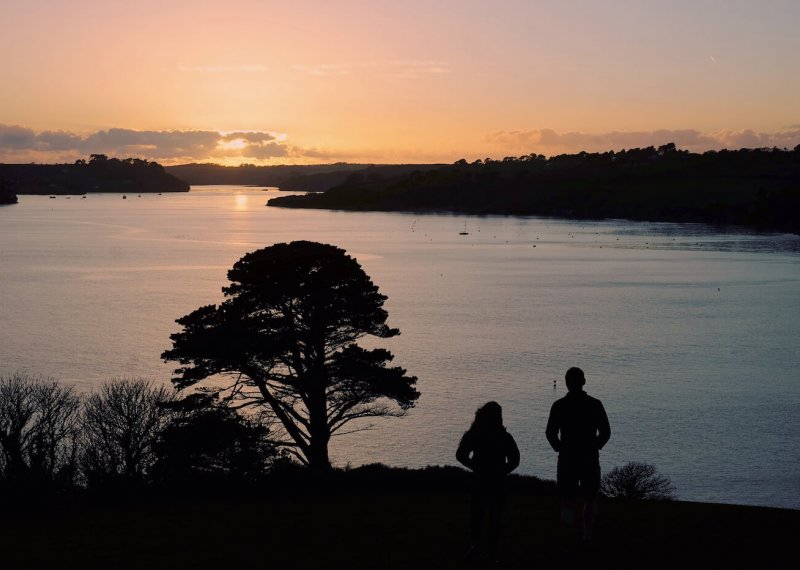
(328, 69)
(236, 68)
(548, 141)
(397, 68)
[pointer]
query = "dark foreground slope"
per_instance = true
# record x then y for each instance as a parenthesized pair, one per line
(99, 174)
(388, 526)
(756, 188)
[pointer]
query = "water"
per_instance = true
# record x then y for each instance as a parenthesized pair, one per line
(689, 336)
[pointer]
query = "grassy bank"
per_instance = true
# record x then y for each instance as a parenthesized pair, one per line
(373, 528)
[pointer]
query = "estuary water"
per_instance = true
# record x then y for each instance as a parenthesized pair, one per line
(690, 337)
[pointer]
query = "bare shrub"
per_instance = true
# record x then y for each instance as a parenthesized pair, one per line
(636, 480)
(120, 425)
(208, 442)
(38, 421)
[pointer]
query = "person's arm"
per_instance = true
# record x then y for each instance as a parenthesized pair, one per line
(552, 429)
(603, 427)
(464, 452)
(512, 454)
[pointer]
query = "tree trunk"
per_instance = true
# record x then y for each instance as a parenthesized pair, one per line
(318, 460)
(319, 431)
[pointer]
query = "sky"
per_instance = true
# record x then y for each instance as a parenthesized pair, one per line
(299, 82)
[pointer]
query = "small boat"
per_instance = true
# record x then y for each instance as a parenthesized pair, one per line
(465, 232)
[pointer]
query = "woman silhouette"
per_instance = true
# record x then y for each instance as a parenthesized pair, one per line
(490, 452)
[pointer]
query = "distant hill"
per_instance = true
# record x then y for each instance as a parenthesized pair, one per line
(305, 178)
(323, 181)
(99, 174)
(758, 188)
(250, 174)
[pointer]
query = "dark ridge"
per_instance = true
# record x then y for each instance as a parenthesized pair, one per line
(757, 188)
(98, 174)
(304, 178)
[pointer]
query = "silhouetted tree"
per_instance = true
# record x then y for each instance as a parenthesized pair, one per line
(119, 426)
(38, 420)
(206, 442)
(636, 480)
(286, 337)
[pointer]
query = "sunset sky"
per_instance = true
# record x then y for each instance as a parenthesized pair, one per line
(387, 81)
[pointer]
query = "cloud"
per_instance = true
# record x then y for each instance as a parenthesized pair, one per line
(398, 68)
(58, 140)
(21, 144)
(15, 137)
(153, 144)
(413, 68)
(257, 137)
(237, 68)
(262, 151)
(327, 69)
(548, 141)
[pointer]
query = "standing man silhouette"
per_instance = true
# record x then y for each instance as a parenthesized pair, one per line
(578, 429)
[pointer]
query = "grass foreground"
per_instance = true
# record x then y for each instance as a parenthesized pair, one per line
(366, 527)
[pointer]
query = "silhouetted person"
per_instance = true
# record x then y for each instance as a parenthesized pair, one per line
(490, 452)
(578, 429)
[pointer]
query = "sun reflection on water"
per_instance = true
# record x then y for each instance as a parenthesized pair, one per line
(241, 201)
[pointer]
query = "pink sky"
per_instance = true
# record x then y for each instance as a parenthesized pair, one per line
(378, 81)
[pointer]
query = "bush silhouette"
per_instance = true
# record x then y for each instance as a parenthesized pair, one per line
(636, 480)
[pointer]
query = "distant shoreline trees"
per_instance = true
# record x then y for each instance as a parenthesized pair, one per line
(99, 174)
(758, 188)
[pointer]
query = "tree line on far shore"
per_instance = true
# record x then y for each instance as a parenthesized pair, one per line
(98, 174)
(759, 188)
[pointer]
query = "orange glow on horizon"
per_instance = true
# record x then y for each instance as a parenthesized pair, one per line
(411, 82)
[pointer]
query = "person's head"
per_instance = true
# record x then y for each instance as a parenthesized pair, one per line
(488, 416)
(575, 379)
